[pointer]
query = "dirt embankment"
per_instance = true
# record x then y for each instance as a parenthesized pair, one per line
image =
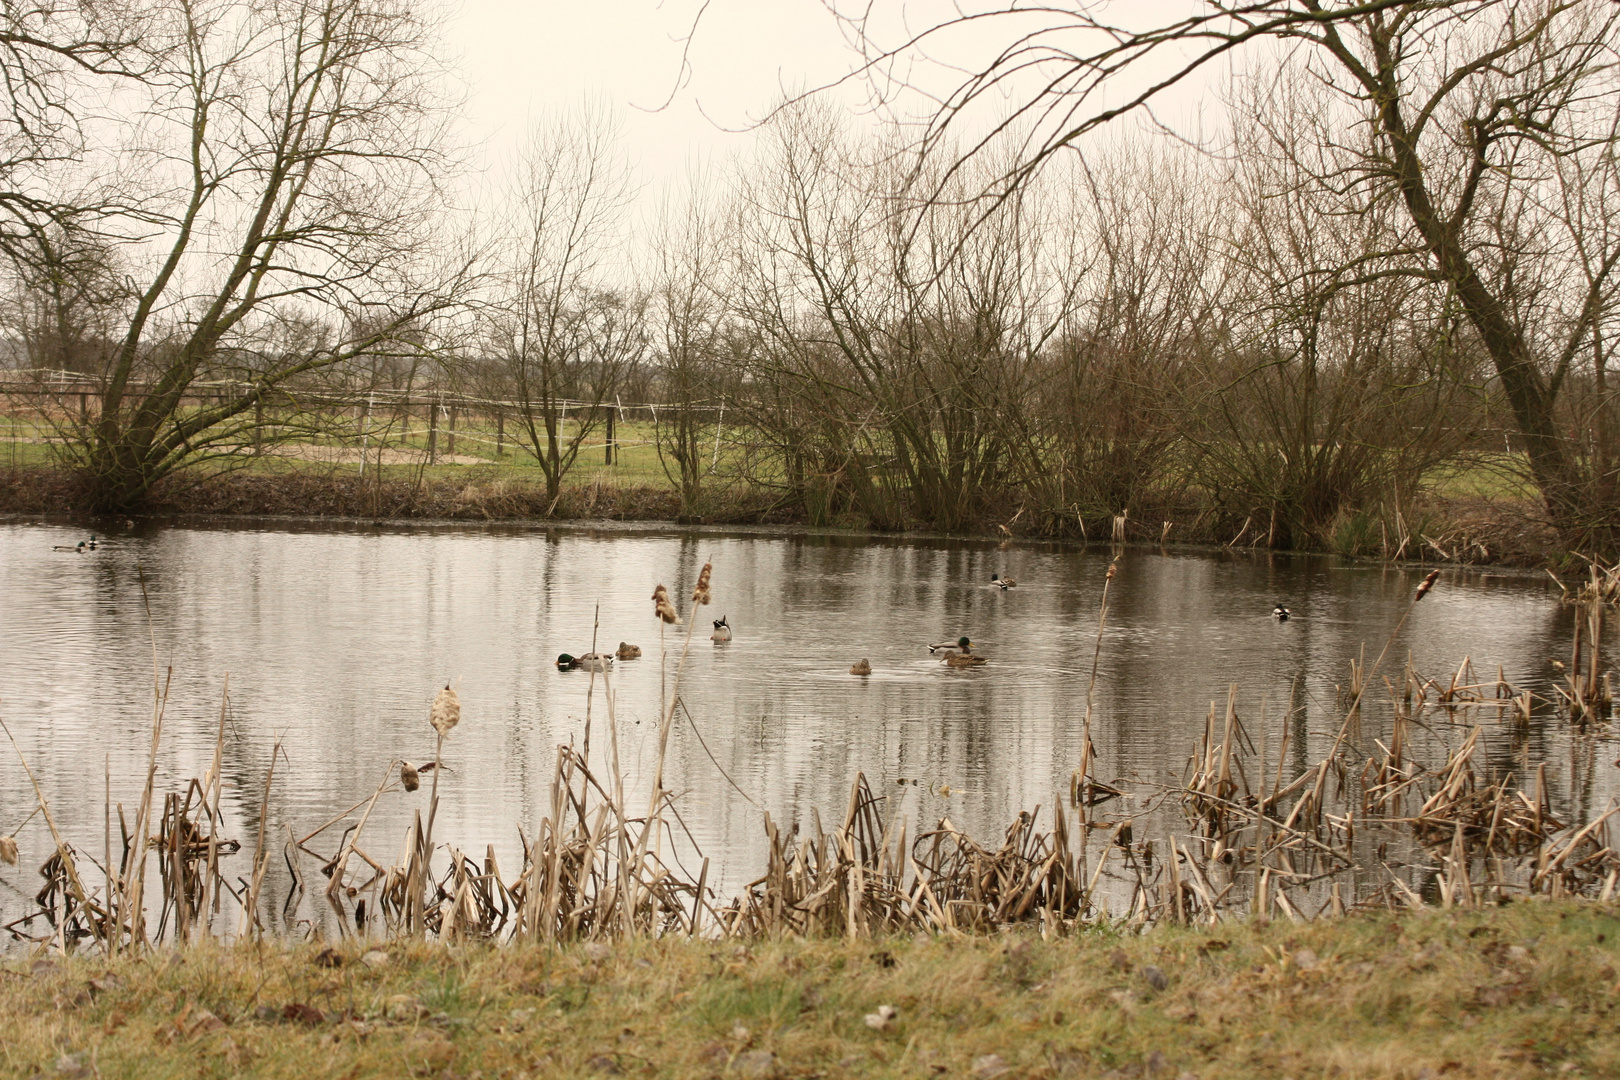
(49, 491)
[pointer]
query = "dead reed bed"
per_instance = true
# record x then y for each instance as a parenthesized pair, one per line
(1370, 824)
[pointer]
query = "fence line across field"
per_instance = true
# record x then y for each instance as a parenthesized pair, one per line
(441, 409)
(35, 382)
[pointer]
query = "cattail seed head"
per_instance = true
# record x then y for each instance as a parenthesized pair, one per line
(409, 778)
(1428, 583)
(662, 607)
(8, 850)
(446, 712)
(700, 595)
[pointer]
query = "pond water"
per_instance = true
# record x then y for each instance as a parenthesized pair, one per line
(335, 637)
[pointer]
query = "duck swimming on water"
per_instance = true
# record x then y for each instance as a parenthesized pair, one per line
(591, 661)
(952, 648)
(722, 630)
(1003, 582)
(1279, 613)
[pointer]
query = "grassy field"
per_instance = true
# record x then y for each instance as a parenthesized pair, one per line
(1526, 990)
(1500, 477)
(23, 442)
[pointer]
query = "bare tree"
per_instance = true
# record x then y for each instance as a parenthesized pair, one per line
(562, 330)
(688, 308)
(890, 351)
(1333, 392)
(1488, 123)
(279, 176)
(66, 302)
(1105, 432)
(56, 57)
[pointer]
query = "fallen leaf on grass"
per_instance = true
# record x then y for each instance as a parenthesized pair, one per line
(202, 1022)
(299, 1013)
(428, 1053)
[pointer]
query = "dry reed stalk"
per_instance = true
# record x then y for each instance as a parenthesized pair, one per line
(64, 853)
(1087, 750)
(352, 837)
(212, 781)
(261, 858)
(590, 688)
(443, 715)
(663, 610)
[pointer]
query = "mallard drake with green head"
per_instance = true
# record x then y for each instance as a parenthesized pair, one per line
(591, 661)
(722, 630)
(1002, 582)
(952, 648)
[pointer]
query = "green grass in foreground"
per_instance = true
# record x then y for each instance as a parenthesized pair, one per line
(1528, 990)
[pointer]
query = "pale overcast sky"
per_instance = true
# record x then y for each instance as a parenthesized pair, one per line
(522, 57)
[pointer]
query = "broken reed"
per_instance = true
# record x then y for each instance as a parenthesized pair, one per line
(1362, 827)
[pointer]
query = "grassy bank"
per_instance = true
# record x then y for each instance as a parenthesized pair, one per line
(1524, 990)
(1461, 525)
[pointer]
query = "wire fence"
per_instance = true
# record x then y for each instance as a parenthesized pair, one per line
(42, 409)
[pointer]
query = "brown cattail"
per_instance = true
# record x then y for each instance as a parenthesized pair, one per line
(662, 607)
(700, 595)
(8, 850)
(1428, 583)
(1112, 567)
(409, 778)
(446, 712)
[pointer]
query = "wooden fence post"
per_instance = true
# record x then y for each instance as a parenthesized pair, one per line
(433, 432)
(500, 435)
(609, 435)
(450, 438)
